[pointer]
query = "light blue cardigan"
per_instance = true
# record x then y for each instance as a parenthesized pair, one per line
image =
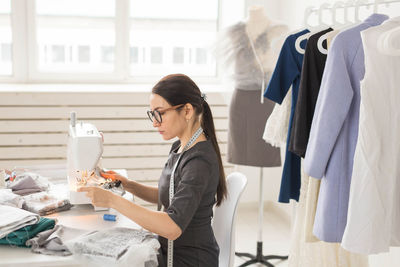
(334, 130)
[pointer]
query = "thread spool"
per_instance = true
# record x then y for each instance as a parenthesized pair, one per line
(110, 217)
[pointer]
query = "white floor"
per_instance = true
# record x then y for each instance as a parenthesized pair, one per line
(276, 236)
(276, 233)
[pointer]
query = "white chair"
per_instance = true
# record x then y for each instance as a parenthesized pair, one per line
(223, 223)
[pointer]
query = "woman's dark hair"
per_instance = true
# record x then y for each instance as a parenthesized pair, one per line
(180, 89)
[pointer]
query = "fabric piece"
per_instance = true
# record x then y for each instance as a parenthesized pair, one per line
(334, 130)
(45, 203)
(311, 208)
(27, 183)
(317, 254)
(314, 184)
(13, 219)
(196, 182)
(116, 246)
(330, 36)
(20, 236)
(247, 118)
(310, 82)
(277, 125)
(373, 222)
(8, 198)
(51, 242)
(287, 73)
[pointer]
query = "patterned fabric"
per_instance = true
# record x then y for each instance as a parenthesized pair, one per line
(116, 245)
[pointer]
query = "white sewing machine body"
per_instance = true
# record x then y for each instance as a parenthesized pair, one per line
(85, 147)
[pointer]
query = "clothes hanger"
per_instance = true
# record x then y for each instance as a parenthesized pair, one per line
(386, 41)
(307, 13)
(347, 22)
(357, 8)
(348, 4)
(321, 26)
(377, 3)
(335, 24)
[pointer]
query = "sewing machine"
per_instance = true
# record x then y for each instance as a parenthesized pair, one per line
(85, 147)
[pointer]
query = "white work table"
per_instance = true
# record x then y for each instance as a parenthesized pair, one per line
(81, 217)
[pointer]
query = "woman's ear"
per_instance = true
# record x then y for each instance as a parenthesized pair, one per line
(188, 108)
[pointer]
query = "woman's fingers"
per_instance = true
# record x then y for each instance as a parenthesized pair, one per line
(88, 189)
(83, 189)
(108, 175)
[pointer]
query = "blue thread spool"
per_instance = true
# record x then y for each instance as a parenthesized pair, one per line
(109, 217)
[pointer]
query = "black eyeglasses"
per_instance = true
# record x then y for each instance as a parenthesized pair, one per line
(157, 114)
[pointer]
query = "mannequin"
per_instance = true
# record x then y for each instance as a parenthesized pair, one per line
(256, 24)
(251, 49)
(248, 47)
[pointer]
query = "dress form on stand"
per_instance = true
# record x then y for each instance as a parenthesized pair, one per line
(256, 24)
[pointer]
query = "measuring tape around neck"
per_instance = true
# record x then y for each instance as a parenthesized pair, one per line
(171, 191)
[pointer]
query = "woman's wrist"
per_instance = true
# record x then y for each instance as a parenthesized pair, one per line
(114, 201)
(129, 185)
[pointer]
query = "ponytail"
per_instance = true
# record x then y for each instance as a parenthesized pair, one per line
(180, 89)
(207, 123)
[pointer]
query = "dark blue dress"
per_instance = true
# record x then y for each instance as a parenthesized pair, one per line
(287, 73)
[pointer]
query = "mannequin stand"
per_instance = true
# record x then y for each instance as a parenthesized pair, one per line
(259, 257)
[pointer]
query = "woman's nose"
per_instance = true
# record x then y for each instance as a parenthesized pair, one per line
(155, 123)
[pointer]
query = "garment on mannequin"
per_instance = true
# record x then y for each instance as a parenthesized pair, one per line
(248, 47)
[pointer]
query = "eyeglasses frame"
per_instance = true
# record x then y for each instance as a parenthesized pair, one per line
(150, 113)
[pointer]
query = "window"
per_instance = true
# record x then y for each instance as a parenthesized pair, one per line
(179, 26)
(5, 38)
(156, 55)
(106, 40)
(134, 55)
(58, 53)
(73, 25)
(107, 54)
(83, 54)
(6, 52)
(201, 56)
(178, 56)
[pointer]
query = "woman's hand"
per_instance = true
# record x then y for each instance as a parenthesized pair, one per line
(114, 176)
(100, 197)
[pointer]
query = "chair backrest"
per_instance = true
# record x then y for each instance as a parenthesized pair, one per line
(224, 218)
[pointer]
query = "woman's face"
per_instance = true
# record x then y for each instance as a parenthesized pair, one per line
(173, 121)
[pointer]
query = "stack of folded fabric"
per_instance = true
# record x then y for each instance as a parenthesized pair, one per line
(17, 225)
(8, 198)
(45, 203)
(37, 194)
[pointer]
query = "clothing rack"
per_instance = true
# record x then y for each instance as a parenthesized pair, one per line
(340, 4)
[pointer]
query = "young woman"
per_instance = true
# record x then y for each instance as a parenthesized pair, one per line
(178, 109)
